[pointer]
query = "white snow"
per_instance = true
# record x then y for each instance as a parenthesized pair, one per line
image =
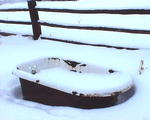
(97, 20)
(16, 50)
(7, 5)
(98, 37)
(11, 1)
(94, 37)
(85, 83)
(138, 22)
(96, 4)
(81, 4)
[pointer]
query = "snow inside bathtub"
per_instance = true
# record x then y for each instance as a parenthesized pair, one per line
(86, 83)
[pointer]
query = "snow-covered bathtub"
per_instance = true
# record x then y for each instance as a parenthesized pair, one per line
(62, 82)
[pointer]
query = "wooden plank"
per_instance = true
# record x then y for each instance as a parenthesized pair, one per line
(88, 44)
(99, 11)
(14, 10)
(95, 11)
(15, 22)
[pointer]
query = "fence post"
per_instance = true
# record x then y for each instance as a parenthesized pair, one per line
(34, 19)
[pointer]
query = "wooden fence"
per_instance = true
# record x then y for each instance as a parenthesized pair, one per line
(36, 24)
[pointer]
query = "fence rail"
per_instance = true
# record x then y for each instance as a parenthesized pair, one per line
(100, 28)
(98, 11)
(14, 10)
(95, 11)
(96, 28)
(15, 22)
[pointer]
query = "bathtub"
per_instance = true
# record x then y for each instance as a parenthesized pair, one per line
(62, 82)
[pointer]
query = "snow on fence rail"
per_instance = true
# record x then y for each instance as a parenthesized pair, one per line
(36, 24)
(95, 11)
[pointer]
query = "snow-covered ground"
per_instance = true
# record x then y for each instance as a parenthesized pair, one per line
(15, 50)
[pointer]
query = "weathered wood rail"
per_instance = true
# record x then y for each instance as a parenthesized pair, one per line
(96, 28)
(94, 11)
(80, 27)
(15, 22)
